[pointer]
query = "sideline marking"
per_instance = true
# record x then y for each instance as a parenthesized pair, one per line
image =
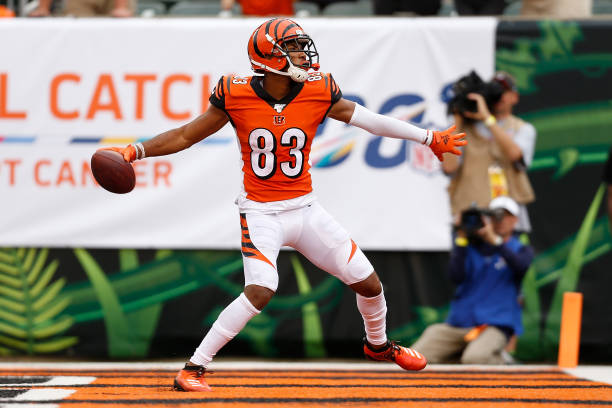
(30, 381)
(9, 396)
(25, 396)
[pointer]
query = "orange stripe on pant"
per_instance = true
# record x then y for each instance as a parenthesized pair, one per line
(353, 249)
(248, 248)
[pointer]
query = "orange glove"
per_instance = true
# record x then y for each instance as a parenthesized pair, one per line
(129, 152)
(445, 142)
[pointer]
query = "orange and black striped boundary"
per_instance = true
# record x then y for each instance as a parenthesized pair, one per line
(114, 388)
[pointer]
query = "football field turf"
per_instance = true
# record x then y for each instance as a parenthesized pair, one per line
(245, 384)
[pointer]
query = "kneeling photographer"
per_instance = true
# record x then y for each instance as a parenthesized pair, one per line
(499, 150)
(488, 263)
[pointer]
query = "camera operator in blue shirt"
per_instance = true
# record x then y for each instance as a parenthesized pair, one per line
(488, 263)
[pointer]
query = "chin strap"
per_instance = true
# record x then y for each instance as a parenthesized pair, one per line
(297, 74)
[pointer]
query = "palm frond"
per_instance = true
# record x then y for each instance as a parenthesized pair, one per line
(30, 304)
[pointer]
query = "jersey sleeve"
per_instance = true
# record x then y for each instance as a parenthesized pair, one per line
(332, 93)
(336, 93)
(217, 98)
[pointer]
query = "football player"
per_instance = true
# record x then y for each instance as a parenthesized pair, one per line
(275, 114)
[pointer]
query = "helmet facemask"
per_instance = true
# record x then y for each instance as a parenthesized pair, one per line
(298, 44)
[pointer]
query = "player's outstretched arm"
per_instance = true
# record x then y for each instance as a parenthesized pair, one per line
(439, 141)
(176, 139)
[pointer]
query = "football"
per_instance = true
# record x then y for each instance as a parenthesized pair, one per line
(112, 172)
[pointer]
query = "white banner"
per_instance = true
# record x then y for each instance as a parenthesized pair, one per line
(68, 87)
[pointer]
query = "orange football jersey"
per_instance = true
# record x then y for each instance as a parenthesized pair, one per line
(275, 136)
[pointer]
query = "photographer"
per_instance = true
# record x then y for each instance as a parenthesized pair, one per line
(487, 264)
(499, 150)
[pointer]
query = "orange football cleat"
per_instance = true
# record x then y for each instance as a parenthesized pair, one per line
(404, 357)
(446, 142)
(191, 378)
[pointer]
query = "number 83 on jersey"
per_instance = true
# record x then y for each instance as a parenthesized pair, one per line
(264, 152)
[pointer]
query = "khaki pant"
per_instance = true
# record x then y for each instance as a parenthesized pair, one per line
(92, 8)
(557, 8)
(443, 343)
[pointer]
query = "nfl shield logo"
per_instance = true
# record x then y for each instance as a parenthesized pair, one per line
(279, 120)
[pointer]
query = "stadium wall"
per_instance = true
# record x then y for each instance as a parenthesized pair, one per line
(83, 275)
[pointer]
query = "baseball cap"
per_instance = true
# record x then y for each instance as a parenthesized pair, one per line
(506, 203)
(505, 80)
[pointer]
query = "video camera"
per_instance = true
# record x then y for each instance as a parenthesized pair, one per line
(473, 83)
(472, 220)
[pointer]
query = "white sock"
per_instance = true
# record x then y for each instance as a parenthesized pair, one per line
(374, 313)
(229, 323)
